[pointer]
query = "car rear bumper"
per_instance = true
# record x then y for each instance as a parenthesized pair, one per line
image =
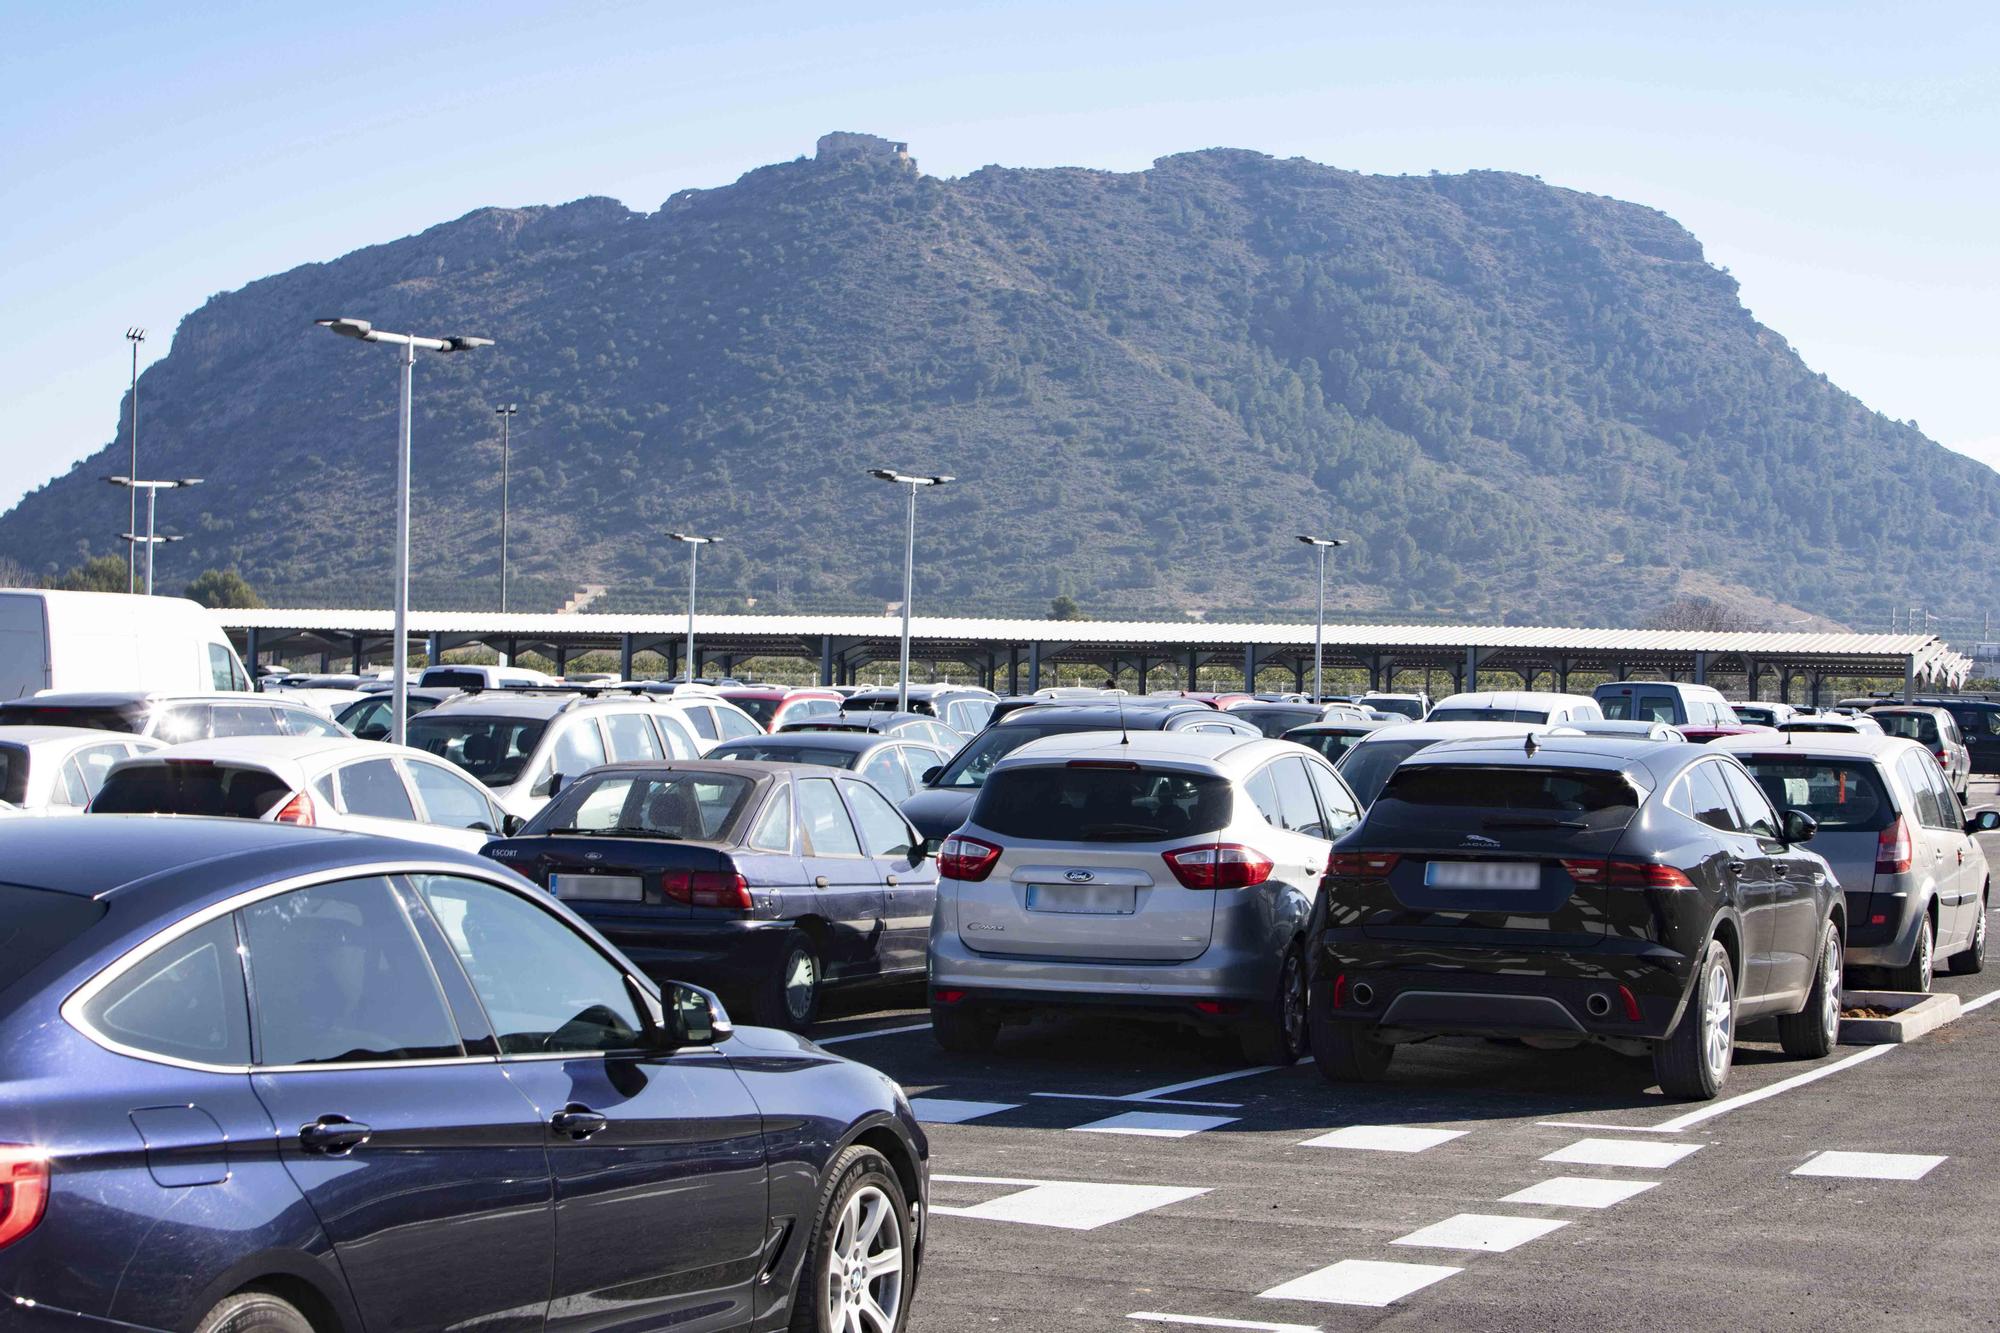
(1891, 943)
(722, 955)
(1219, 973)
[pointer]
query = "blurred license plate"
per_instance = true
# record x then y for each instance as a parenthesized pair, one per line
(1483, 875)
(1084, 899)
(613, 888)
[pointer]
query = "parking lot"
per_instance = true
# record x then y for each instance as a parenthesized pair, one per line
(1099, 1175)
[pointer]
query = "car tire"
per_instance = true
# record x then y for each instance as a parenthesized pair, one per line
(1278, 1034)
(1346, 1052)
(254, 1312)
(1815, 1030)
(1916, 975)
(963, 1030)
(1694, 1059)
(789, 997)
(835, 1271)
(1973, 958)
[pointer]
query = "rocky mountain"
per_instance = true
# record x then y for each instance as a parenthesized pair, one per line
(1516, 400)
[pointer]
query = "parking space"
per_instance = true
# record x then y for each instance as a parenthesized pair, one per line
(1096, 1174)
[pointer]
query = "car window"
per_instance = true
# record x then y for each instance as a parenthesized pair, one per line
(1843, 795)
(774, 826)
(940, 735)
(367, 718)
(1299, 808)
(449, 799)
(543, 985)
(1046, 803)
(883, 831)
(70, 789)
(1712, 806)
(183, 1000)
(825, 820)
(1263, 789)
(1342, 813)
(887, 772)
(337, 976)
(492, 749)
(679, 741)
(182, 722)
(668, 804)
(918, 760)
(1758, 818)
(305, 722)
(1920, 727)
(168, 787)
(1914, 768)
(245, 720)
(1950, 814)
(703, 721)
(374, 789)
(1679, 799)
(735, 726)
(631, 738)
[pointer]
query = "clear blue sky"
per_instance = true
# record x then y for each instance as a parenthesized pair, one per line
(1842, 159)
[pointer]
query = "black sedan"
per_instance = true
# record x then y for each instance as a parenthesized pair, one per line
(297, 1081)
(1644, 895)
(895, 764)
(765, 881)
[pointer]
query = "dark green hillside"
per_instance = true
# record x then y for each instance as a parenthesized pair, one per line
(1519, 401)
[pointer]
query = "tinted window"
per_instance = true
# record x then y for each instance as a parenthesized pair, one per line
(337, 977)
(774, 826)
(26, 713)
(885, 771)
(694, 806)
(1488, 715)
(1592, 797)
(1710, 798)
(179, 788)
(631, 737)
(1920, 727)
(1342, 813)
(1843, 795)
(1757, 815)
(449, 678)
(543, 985)
(13, 773)
(786, 754)
(825, 820)
(1275, 720)
(374, 789)
(1367, 767)
(968, 769)
(1332, 744)
(34, 923)
(1102, 804)
(223, 673)
(883, 832)
(449, 799)
(763, 709)
(703, 721)
(183, 1000)
(492, 749)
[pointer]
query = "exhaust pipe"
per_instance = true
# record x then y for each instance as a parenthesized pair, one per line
(1363, 993)
(1598, 1005)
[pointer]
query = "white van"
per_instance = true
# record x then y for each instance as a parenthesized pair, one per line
(111, 641)
(460, 676)
(1530, 706)
(1666, 701)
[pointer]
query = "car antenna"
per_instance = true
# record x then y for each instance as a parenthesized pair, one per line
(1124, 736)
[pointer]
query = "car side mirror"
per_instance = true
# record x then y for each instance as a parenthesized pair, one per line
(932, 774)
(550, 785)
(1799, 826)
(692, 1016)
(1984, 820)
(511, 825)
(918, 850)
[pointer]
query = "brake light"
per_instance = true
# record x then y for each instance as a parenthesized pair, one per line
(1222, 865)
(1340, 991)
(24, 1191)
(1588, 871)
(1364, 865)
(1894, 849)
(1626, 874)
(967, 859)
(707, 888)
(1944, 760)
(298, 810)
(947, 996)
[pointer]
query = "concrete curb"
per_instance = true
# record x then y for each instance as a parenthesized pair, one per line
(1912, 1015)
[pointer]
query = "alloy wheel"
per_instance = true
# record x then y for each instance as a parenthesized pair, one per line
(801, 979)
(864, 1270)
(1830, 963)
(1292, 999)
(1718, 1021)
(1926, 956)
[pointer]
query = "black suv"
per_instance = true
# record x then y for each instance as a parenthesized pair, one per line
(1639, 894)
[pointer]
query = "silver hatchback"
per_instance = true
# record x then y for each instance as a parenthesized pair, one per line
(1166, 873)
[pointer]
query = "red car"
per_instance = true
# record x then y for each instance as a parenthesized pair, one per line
(1209, 697)
(775, 705)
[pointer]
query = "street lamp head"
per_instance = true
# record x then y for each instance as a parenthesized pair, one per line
(136, 334)
(119, 481)
(188, 481)
(907, 479)
(691, 539)
(506, 409)
(462, 343)
(1322, 541)
(347, 328)
(942, 479)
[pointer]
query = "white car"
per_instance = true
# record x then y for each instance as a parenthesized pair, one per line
(343, 783)
(57, 770)
(173, 718)
(1531, 706)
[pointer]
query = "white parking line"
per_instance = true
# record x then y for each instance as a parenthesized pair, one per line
(1783, 1085)
(1870, 1165)
(878, 1032)
(1371, 1282)
(1193, 1083)
(1488, 1232)
(1154, 1124)
(1968, 1006)
(1070, 1205)
(1129, 1097)
(1209, 1321)
(1385, 1138)
(1580, 1192)
(1623, 1152)
(947, 1111)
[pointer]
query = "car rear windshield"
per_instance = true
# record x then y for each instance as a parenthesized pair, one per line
(968, 768)
(1332, 744)
(887, 704)
(182, 787)
(13, 773)
(1845, 796)
(1639, 708)
(1102, 804)
(492, 749)
(1910, 726)
(1274, 720)
(103, 717)
(456, 680)
(34, 923)
(1367, 767)
(1410, 708)
(674, 807)
(788, 754)
(1489, 715)
(1511, 797)
(763, 708)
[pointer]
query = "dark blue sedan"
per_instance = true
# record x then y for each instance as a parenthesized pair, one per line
(257, 1077)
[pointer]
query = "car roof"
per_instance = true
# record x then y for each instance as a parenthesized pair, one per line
(857, 741)
(925, 691)
(36, 734)
(1834, 744)
(1436, 732)
(1341, 726)
(124, 698)
(309, 750)
(1657, 760)
(1512, 699)
(1213, 748)
(1104, 714)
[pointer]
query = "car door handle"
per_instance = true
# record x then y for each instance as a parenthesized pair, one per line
(577, 1121)
(1736, 867)
(333, 1135)
(892, 881)
(819, 881)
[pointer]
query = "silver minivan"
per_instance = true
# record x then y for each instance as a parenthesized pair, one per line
(1167, 874)
(1916, 879)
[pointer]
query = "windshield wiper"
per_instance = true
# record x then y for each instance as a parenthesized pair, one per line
(1529, 821)
(1122, 830)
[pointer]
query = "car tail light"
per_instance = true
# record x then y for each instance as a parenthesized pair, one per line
(299, 810)
(24, 1191)
(1221, 865)
(1217, 1008)
(1626, 874)
(1631, 1004)
(947, 996)
(968, 859)
(1365, 865)
(1588, 871)
(1944, 760)
(1340, 991)
(1894, 849)
(707, 888)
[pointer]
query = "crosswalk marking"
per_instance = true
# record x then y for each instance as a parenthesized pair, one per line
(1384, 1138)
(1580, 1192)
(1155, 1124)
(947, 1111)
(1481, 1231)
(1623, 1152)
(1371, 1282)
(1070, 1205)
(1870, 1165)
(1212, 1321)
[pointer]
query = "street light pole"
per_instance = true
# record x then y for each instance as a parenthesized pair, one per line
(134, 335)
(694, 545)
(1322, 545)
(506, 413)
(909, 567)
(364, 331)
(152, 490)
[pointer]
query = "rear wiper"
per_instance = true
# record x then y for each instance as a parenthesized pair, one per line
(1123, 830)
(1529, 821)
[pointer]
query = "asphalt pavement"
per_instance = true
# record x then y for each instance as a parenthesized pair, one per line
(1094, 1174)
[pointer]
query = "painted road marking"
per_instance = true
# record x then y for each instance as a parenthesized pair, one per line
(1580, 1192)
(1782, 1085)
(1193, 1083)
(1360, 1282)
(878, 1032)
(1624, 1152)
(1128, 1097)
(1619, 1129)
(1870, 1165)
(946, 1111)
(1384, 1138)
(1482, 1231)
(1072, 1205)
(1154, 1124)
(1209, 1321)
